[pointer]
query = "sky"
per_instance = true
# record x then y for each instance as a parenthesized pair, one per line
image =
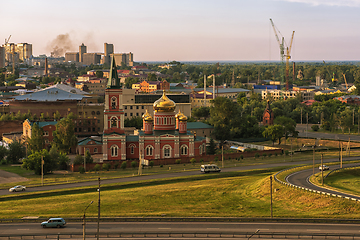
(188, 30)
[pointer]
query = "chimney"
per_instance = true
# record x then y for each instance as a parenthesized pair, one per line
(204, 90)
(46, 67)
(214, 86)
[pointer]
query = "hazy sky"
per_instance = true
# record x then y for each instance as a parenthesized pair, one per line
(188, 30)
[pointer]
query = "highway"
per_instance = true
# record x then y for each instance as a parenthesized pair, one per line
(183, 227)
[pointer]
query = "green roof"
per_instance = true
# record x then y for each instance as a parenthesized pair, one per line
(113, 81)
(87, 140)
(43, 124)
(198, 125)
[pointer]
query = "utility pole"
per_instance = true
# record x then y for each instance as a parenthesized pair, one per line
(222, 155)
(98, 223)
(84, 160)
(341, 156)
(322, 171)
(271, 205)
(42, 171)
(84, 220)
(307, 123)
(314, 159)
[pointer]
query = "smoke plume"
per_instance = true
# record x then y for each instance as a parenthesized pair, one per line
(61, 44)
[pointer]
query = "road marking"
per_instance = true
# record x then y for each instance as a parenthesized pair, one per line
(213, 228)
(23, 229)
(314, 230)
(262, 229)
(164, 228)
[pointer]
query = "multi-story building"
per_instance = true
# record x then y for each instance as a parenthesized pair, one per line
(124, 58)
(72, 57)
(280, 94)
(96, 86)
(22, 50)
(91, 58)
(151, 86)
(82, 50)
(202, 98)
(2, 57)
(135, 105)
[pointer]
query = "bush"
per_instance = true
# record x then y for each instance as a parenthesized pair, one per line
(276, 154)
(264, 155)
(161, 165)
(81, 170)
(201, 160)
(270, 155)
(257, 155)
(133, 164)
(193, 161)
(116, 165)
(97, 168)
(315, 128)
(241, 156)
(151, 164)
(286, 152)
(123, 165)
(216, 159)
(106, 166)
(79, 159)
(178, 161)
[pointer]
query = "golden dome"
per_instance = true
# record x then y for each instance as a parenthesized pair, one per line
(164, 104)
(147, 116)
(181, 116)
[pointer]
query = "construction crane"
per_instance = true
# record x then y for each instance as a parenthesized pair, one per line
(345, 81)
(282, 46)
(6, 41)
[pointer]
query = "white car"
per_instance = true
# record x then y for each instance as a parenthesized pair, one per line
(17, 188)
(323, 168)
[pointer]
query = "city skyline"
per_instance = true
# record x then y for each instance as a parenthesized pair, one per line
(200, 30)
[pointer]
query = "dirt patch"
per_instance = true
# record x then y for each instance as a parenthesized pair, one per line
(8, 177)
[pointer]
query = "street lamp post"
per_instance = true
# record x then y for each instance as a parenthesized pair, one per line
(84, 219)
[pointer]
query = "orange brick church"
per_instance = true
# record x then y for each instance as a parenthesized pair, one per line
(164, 133)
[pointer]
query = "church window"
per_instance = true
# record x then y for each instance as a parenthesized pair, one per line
(132, 149)
(113, 102)
(114, 151)
(95, 150)
(167, 151)
(149, 150)
(200, 149)
(184, 150)
(165, 121)
(113, 122)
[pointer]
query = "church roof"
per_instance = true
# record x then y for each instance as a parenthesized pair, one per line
(113, 81)
(198, 125)
(51, 95)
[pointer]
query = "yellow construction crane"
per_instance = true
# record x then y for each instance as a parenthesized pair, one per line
(6, 41)
(345, 81)
(282, 52)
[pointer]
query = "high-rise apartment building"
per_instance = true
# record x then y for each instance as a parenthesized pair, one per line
(72, 57)
(2, 57)
(22, 50)
(82, 50)
(108, 50)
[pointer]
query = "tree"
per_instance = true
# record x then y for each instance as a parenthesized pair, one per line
(99, 74)
(61, 159)
(225, 117)
(33, 162)
(289, 126)
(274, 132)
(130, 81)
(3, 153)
(64, 136)
(151, 77)
(201, 112)
(212, 147)
(16, 151)
(37, 141)
(88, 157)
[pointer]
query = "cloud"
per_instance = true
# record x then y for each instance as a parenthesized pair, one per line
(342, 3)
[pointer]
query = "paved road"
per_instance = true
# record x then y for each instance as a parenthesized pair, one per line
(302, 179)
(307, 132)
(161, 176)
(183, 227)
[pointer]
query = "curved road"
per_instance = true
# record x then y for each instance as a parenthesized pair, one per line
(301, 179)
(161, 176)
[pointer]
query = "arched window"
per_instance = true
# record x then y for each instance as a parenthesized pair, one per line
(167, 151)
(132, 149)
(184, 150)
(200, 149)
(149, 150)
(113, 102)
(114, 150)
(113, 122)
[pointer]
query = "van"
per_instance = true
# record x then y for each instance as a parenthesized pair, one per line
(209, 168)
